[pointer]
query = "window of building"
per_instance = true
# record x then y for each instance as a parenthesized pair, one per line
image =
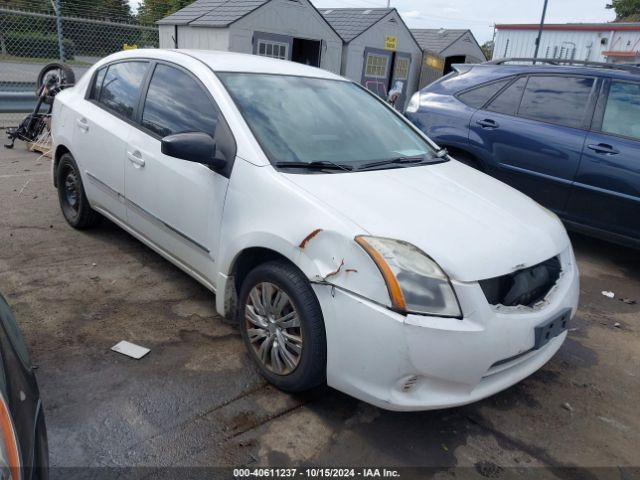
(273, 49)
(401, 69)
(121, 87)
(556, 99)
(177, 103)
(377, 66)
(622, 113)
(478, 96)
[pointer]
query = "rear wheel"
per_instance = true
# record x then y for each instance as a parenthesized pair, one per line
(282, 326)
(73, 201)
(56, 75)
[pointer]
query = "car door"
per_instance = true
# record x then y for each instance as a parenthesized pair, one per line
(102, 124)
(532, 134)
(606, 192)
(176, 204)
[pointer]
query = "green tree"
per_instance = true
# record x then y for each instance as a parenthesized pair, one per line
(151, 11)
(487, 49)
(626, 10)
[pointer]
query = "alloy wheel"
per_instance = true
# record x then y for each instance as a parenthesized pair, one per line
(273, 328)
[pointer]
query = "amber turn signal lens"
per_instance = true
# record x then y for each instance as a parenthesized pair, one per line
(9, 440)
(395, 292)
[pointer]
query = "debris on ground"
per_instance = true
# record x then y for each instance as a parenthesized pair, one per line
(608, 294)
(628, 301)
(567, 406)
(130, 349)
(616, 325)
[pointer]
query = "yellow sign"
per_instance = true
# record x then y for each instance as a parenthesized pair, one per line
(434, 62)
(126, 46)
(390, 43)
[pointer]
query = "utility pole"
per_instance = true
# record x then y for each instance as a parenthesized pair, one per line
(544, 14)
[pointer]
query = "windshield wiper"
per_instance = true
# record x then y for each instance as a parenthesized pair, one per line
(318, 165)
(394, 161)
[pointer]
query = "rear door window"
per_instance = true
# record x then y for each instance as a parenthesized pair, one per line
(478, 96)
(509, 100)
(622, 112)
(556, 99)
(177, 103)
(121, 87)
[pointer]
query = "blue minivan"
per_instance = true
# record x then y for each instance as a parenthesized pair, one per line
(568, 136)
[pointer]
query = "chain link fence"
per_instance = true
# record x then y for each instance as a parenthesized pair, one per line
(34, 33)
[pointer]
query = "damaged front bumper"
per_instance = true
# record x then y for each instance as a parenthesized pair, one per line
(416, 362)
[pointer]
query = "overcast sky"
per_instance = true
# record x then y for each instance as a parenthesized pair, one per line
(480, 16)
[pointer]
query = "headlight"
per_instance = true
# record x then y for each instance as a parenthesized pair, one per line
(415, 282)
(414, 103)
(9, 453)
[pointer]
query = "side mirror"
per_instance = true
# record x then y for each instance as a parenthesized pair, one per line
(195, 147)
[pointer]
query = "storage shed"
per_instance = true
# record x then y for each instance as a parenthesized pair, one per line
(379, 50)
(443, 48)
(286, 29)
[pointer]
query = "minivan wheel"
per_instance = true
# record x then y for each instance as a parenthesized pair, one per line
(282, 326)
(73, 201)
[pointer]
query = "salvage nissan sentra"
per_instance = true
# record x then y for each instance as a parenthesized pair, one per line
(350, 249)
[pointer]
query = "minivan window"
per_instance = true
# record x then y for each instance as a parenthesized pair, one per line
(300, 119)
(177, 103)
(622, 113)
(556, 99)
(508, 101)
(477, 97)
(121, 87)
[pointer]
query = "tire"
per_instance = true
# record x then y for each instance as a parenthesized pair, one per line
(73, 201)
(310, 363)
(65, 75)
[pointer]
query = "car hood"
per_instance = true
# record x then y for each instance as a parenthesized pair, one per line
(474, 226)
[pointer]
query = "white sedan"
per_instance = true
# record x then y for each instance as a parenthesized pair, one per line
(348, 247)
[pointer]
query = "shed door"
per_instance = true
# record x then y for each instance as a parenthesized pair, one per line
(400, 78)
(376, 71)
(272, 45)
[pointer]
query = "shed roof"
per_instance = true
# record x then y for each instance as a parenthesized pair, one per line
(351, 22)
(436, 39)
(212, 13)
(595, 27)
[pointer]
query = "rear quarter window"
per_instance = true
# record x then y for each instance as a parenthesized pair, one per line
(477, 97)
(121, 87)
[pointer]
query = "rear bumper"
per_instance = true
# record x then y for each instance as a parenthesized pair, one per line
(419, 362)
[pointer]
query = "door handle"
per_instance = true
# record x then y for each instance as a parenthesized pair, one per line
(603, 149)
(136, 158)
(82, 124)
(488, 123)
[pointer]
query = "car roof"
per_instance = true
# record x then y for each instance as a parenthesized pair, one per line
(220, 61)
(506, 69)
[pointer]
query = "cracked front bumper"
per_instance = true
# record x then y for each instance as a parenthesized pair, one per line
(417, 362)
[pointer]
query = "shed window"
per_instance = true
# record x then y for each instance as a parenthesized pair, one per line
(273, 49)
(377, 65)
(401, 69)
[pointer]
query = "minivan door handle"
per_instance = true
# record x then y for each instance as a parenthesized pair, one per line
(488, 123)
(603, 149)
(136, 158)
(83, 124)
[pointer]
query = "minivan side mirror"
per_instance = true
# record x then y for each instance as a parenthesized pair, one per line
(197, 147)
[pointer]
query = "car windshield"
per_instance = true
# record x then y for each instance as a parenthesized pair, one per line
(301, 120)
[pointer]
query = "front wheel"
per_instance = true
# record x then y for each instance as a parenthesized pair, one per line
(282, 326)
(73, 201)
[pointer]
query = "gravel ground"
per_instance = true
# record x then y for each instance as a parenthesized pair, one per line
(196, 400)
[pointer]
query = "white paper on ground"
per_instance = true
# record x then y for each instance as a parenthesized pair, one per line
(130, 349)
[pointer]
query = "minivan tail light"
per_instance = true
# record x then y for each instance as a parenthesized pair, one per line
(414, 103)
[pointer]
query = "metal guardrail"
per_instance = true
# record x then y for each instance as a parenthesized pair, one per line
(17, 102)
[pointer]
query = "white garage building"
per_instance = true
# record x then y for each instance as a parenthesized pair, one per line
(596, 42)
(286, 29)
